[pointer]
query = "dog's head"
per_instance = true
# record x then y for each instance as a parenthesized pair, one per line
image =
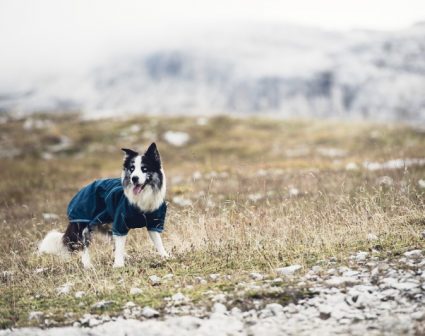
(142, 171)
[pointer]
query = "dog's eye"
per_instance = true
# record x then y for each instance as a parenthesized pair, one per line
(144, 169)
(131, 168)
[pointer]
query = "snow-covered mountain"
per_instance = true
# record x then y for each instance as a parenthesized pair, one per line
(275, 69)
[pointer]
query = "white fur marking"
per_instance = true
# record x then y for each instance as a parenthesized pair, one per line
(53, 244)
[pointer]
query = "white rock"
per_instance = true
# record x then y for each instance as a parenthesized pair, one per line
(177, 139)
(372, 237)
(154, 280)
(351, 166)
(79, 294)
(336, 281)
(256, 276)
(35, 315)
(220, 297)
(214, 276)
(421, 183)
(149, 312)
(293, 192)
(102, 304)
(135, 291)
(64, 289)
(219, 308)
(179, 298)
(181, 201)
(414, 254)
(255, 197)
(360, 256)
(168, 276)
(289, 270)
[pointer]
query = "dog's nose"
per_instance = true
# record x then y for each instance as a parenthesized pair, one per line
(135, 179)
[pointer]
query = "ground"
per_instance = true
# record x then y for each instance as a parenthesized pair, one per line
(246, 195)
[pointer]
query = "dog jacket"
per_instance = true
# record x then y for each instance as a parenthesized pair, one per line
(103, 201)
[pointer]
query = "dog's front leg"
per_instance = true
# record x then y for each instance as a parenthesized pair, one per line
(119, 250)
(157, 241)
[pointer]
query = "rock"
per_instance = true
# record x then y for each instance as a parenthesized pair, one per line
(275, 308)
(168, 276)
(177, 139)
(293, 192)
(256, 276)
(214, 277)
(351, 166)
(289, 270)
(79, 294)
(64, 289)
(371, 237)
(325, 312)
(337, 281)
(219, 308)
(102, 304)
(219, 298)
(200, 280)
(421, 183)
(181, 201)
(419, 315)
(135, 291)
(179, 298)
(36, 315)
(154, 280)
(149, 312)
(414, 254)
(360, 256)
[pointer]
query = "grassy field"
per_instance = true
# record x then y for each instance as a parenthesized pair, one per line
(259, 194)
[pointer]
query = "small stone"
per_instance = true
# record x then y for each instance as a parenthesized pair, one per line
(149, 312)
(200, 280)
(351, 166)
(219, 308)
(360, 256)
(50, 216)
(325, 312)
(421, 183)
(414, 254)
(130, 305)
(168, 276)
(135, 291)
(419, 315)
(336, 281)
(289, 270)
(179, 298)
(102, 304)
(155, 280)
(35, 315)
(214, 277)
(256, 276)
(293, 192)
(64, 289)
(274, 308)
(372, 237)
(316, 269)
(79, 294)
(277, 281)
(220, 297)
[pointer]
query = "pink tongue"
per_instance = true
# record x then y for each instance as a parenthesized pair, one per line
(137, 189)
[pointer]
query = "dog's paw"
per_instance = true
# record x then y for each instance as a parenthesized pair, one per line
(165, 255)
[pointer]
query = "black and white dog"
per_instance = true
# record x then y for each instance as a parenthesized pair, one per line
(133, 201)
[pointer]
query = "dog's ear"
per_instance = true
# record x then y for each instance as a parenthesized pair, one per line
(129, 152)
(152, 155)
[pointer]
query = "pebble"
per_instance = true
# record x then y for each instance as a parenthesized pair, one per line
(256, 276)
(289, 270)
(135, 291)
(149, 312)
(154, 280)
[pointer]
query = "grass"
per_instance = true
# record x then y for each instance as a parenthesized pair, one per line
(245, 215)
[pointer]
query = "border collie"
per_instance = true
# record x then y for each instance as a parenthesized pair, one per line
(135, 200)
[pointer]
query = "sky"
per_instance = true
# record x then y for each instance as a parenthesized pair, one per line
(54, 34)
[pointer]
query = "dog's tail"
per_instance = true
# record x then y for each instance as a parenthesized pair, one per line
(53, 244)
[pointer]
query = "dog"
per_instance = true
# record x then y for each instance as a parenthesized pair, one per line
(135, 200)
